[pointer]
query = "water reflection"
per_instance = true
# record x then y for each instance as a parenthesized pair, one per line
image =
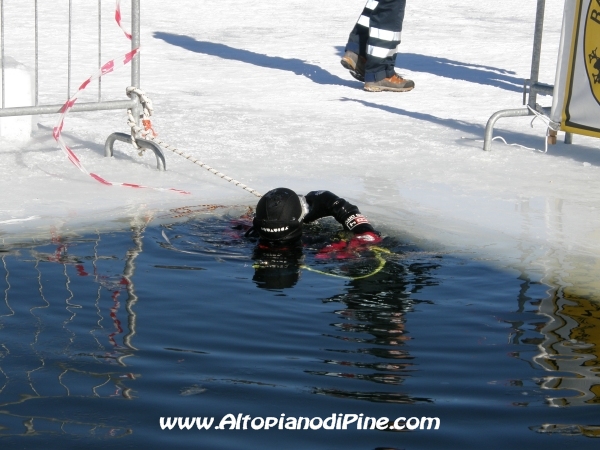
(374, 320)
(70, 330)
(372, 324)
(68, 297)
(373, 358)
(568, 430)
(570, 349)
(277, 268)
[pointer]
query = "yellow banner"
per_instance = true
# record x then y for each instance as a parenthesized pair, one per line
(581, 110)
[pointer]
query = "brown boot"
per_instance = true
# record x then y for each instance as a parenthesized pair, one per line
(355, 64)
(394, 83)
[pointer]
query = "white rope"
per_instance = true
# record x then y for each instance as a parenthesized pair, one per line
(550, 125)
(147, 132)
(500, 138)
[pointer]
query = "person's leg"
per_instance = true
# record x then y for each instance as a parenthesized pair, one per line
(384, 38)
(357, 41)
(356, 49)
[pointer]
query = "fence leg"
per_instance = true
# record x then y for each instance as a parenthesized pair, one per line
(135, 63)
(568, 138)
(489, 128)
(161, 164)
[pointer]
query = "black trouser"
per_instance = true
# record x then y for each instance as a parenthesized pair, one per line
(376, 36)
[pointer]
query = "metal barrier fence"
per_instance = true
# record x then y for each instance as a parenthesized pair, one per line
(532, 87)
(99, 105)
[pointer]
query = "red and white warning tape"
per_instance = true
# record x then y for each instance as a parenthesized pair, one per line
(109, 67)
(118, 20)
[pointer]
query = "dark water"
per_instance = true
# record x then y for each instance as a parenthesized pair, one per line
(102, 335)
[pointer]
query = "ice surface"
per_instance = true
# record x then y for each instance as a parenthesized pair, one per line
(256, 90)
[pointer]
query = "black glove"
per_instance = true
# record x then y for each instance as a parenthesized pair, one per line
(324, 203)
(320, 204)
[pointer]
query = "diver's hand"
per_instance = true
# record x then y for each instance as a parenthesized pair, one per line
(349, 249)
(362, 240)
(324, 203)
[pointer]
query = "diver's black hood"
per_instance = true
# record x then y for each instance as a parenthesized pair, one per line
(279, 215)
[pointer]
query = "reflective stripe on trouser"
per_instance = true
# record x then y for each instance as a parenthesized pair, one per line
(357, 41)
(376, 35)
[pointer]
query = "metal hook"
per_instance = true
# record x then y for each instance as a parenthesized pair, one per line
(161, 164)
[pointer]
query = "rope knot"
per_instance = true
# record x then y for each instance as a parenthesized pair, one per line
(148, 132)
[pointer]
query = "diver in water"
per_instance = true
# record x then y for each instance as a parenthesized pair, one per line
(278, 221)
(281, 213)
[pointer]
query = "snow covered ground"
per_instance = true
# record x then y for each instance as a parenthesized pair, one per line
(256, 90)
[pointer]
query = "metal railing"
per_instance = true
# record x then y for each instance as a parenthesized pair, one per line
(533, 83)
(99, 105)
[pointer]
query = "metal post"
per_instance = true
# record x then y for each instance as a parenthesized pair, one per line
(568, 138)
(135, 63)
(69, 49)
(537, 50)
(2, 49)
(99, 49)
(535, 86)
(37, 42)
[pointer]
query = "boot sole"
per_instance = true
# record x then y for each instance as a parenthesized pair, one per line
(357, 75)
(348, 65)
(388, 89)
